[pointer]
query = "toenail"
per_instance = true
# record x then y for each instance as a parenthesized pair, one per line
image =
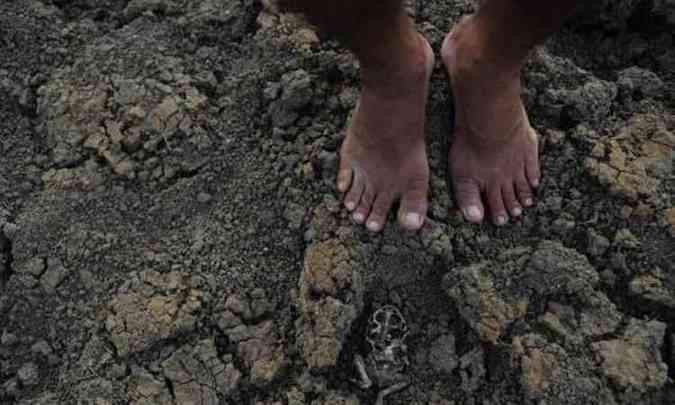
(528, 202)
(413, 220)
(517, 212)
(373, 226)
(359, 217)
(350, 205)
(535, 183)
(472, 213)
(342, 185)
(501, 220)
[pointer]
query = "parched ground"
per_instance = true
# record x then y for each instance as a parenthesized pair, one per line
(169, 231)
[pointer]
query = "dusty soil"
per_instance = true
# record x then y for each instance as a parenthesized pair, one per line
(169, 231)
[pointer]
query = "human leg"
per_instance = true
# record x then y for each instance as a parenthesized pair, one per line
(493, 160)
(383, 157)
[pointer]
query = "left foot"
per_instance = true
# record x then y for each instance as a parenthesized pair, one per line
(493, 160)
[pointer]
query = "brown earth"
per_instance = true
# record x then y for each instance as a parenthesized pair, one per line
(170, 233)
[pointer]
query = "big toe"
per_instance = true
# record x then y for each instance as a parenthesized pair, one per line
(413, 210)
(467, 194)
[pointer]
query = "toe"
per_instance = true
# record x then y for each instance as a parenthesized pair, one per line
(496, 204)
(378, 214)
(344, 179)
(467, 194)
(413, 208)
(524, 191)
(510, 200)
(532, 170)
(354, 195)
(367, 198)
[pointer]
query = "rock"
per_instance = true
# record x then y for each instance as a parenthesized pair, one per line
(590, 102)
(158, 306)
(624, 239)
(41, 347)
(137, 7)
(487, 311)
(35, 267)
(199, 376)
(227, 320)
(28, 375)
(8, 339)
(107, 119)
(635, 173)
(54, 275)
(611, 15)
(655, 288)
(95, 391)
(295, 215)
(597, 244)
(666, 9)
(638, 81)
(472, 370)
(330, 299)
(554, 269)
(633, 361)
(11, 387)
(492, 295)
(546, 370)
(442, 354)
(237, 305)
(669, 216)
(260, 304)
(144, 389)
(296, 89)
(337, 398)
(203, 198)
(267, 369)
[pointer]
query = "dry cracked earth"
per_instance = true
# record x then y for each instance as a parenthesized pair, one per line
(170, 234)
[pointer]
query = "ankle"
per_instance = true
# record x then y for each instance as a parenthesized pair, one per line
(473, 52)
(406, 61)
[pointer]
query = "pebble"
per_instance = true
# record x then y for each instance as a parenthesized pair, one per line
(204, 197)
(8, 339)
(28, 374)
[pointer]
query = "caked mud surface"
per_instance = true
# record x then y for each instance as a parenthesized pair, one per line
(170, 234)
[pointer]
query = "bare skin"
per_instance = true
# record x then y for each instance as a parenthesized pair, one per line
(493, 160)
(383, 157)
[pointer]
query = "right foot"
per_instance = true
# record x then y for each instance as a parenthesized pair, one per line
(383, 157)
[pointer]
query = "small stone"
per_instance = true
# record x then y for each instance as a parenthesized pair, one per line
(41, 347)
(8, 339)
(35, 266)
(238, 306)
(295, 215)
(28, 374)
(624, 238)
(297, 89)
(597, 244)
(271, 92)
(227, 320)
(54, 275)
(442, 354)
(204, 197)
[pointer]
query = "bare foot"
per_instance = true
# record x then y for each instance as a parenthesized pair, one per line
(493, 159)
(383, 157)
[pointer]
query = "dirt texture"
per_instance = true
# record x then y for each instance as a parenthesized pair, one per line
(170, 232)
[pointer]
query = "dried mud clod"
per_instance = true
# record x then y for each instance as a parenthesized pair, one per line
(330, 299)
(151, 308)
(502, 300)
(634, 162)
(256, 339)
